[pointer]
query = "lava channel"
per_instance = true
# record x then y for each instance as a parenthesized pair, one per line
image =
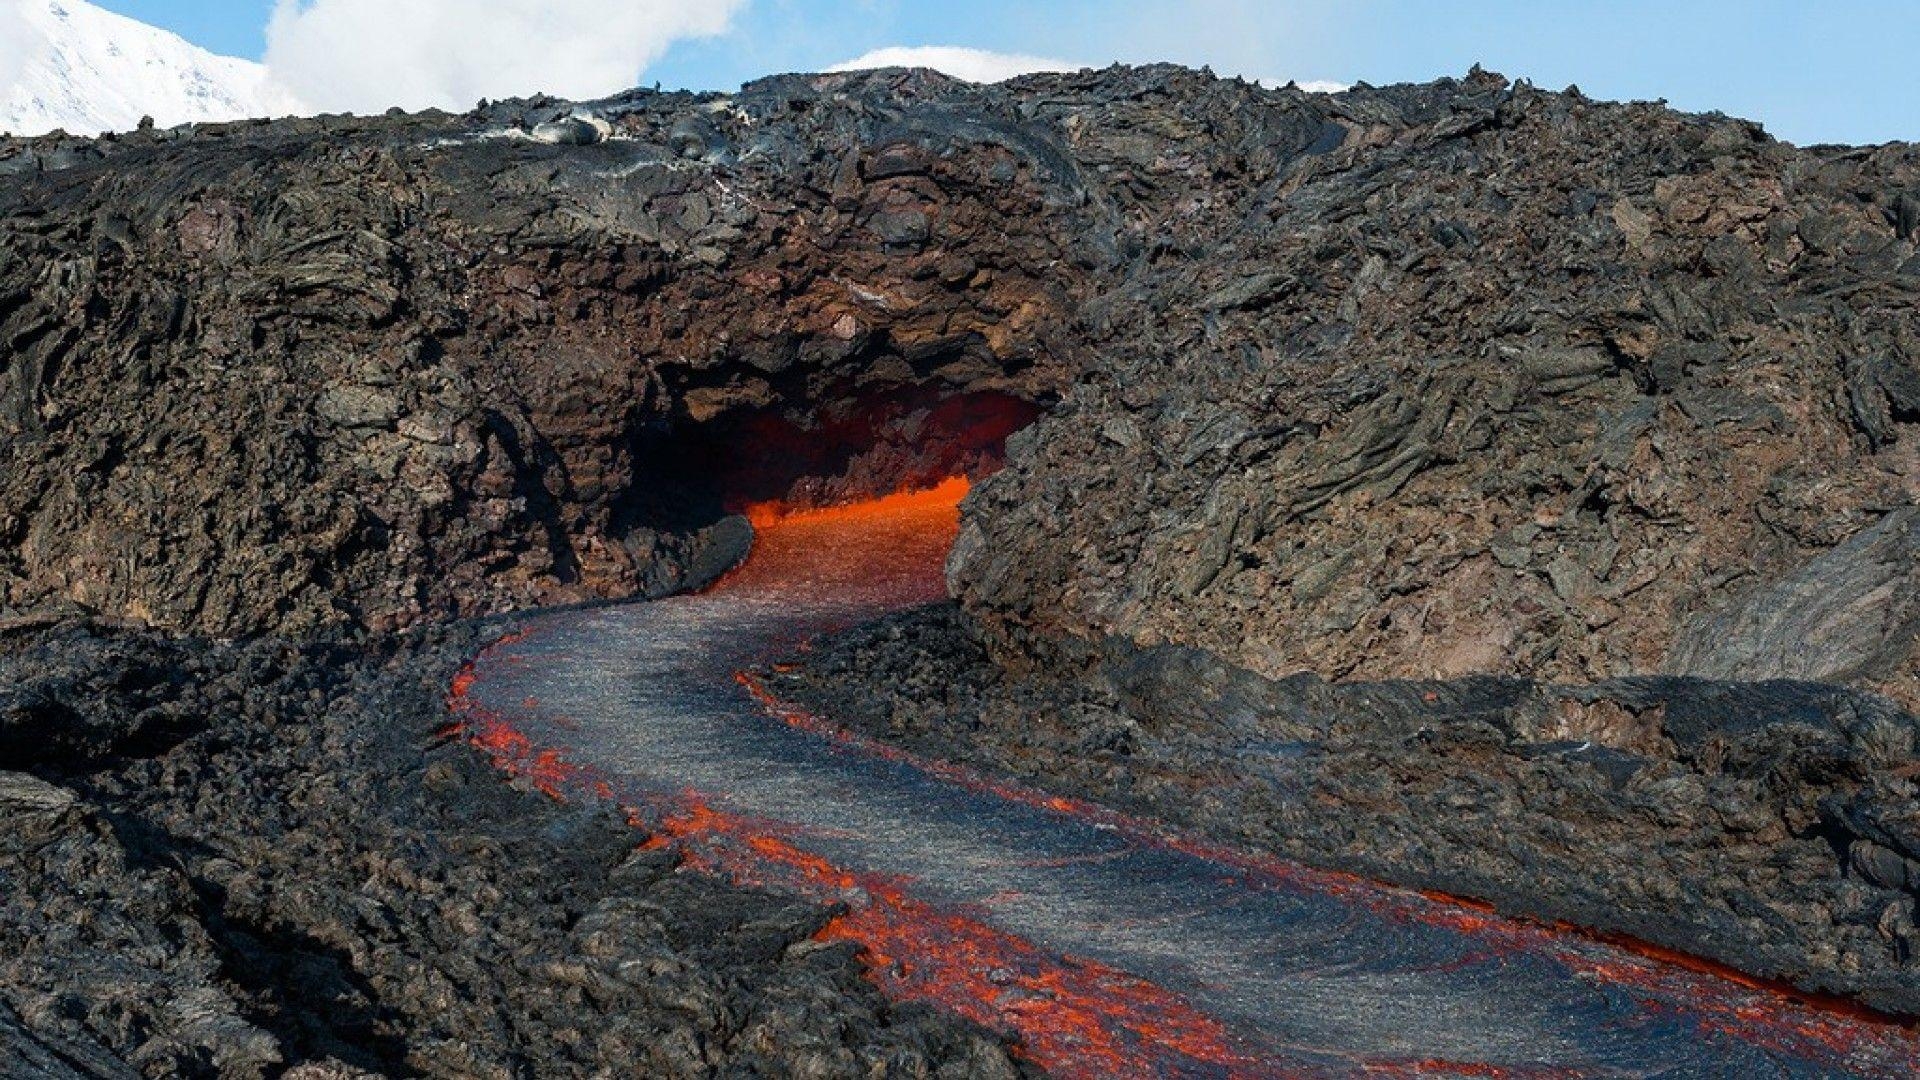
(1105, 946)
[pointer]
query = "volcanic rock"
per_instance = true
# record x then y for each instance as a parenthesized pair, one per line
(1462, 483)
(1770, 826)
(1489, 380)
(311, 876)
(1405, 382)
(370, 372)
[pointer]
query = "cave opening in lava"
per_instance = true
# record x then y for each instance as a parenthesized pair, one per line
(771, 460)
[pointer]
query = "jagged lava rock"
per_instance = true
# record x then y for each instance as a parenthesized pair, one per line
(1417, 381)
(1483, 380)
(374, 371)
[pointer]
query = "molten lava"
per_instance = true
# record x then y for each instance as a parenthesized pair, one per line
(1079, 1017)
(935, 509)
(1072, 1014)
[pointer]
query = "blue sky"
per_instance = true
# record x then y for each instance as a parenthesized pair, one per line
(1812, 71)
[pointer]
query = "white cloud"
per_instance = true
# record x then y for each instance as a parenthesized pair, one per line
(972, 65)
(369, 55)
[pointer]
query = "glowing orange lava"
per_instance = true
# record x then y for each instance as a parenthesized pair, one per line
(1076, 1017)
(1073, 1017)
(942, 499)
(1777, 1015)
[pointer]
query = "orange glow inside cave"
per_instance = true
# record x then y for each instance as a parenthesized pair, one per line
(936, 503)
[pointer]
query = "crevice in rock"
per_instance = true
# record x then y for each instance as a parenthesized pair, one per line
(305, 993)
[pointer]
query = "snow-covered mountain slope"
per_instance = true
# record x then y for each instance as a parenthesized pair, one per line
(68, 64)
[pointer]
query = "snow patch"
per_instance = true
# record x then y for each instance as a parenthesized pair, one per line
(1311, 86)
(970, 65)
(70, 65)
(985, 66)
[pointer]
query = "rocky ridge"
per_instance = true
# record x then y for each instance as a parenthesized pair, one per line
(278, 377)
(1404, 382)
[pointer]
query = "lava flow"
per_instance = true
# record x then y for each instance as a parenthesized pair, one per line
(1105, 945)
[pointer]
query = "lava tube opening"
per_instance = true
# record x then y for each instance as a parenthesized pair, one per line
(772, 461)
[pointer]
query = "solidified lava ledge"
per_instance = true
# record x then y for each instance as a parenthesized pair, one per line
(1463, 486)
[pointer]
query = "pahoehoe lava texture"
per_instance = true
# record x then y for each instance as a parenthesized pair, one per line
(1484, 380)
(276, 377)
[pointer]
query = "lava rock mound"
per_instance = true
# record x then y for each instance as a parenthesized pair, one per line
(307, 877)
(374, 372)
(1488, 380)
(1768, 826)
(1406, 382)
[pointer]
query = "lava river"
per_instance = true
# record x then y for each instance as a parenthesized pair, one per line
(1106, 946)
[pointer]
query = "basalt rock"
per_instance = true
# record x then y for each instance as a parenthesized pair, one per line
(1769, 826)
(1488, 380)
(370, 372)
(1522, 476)
(1401, 383)
(308, 878)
